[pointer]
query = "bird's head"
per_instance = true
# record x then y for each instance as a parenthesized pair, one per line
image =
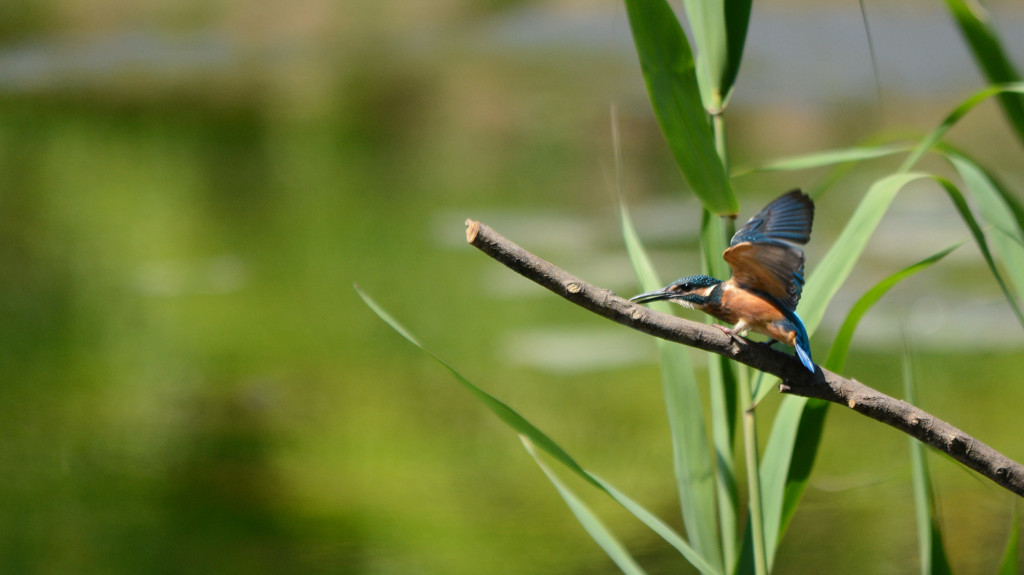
(691, 291)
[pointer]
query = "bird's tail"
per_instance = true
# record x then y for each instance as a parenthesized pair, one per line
(803, 343)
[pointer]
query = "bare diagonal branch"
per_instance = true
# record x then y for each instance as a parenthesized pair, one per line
(796, 379)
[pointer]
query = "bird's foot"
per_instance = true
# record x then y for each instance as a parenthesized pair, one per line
(729, 332)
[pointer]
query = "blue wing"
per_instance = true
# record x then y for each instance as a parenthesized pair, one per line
(765, 255)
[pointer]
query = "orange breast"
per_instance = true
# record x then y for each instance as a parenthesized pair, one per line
(756, 313)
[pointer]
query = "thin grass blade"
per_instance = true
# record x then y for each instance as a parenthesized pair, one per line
(1000, 209)
(669, 72)
(548, 445)
(838, 263)
(805, 430)
(979, 238)
(841, 346)
(597, 530)
(989, 54)
(796, 432)
(695, 475)
(498, 407)
(659, 527)
(719, 33)
(933, 137)
(1008, 565)
(823, 159)
(929, 533)
(737, 22)
(722, 386)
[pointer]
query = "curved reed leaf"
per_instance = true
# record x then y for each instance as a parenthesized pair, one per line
(669, 72)
(693, 464)
(979, 238)
(933, 137)
(611, 545)
(841, 346)
(823, 159)
(1000, 209)
(1008, 565)
(796, 432)
(929, 533)
(538, 438)
(991, 57)
(719, 33)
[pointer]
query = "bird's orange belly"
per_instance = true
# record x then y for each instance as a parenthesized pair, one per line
(751, 312)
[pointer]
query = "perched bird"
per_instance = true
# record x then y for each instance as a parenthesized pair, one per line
(767, 277)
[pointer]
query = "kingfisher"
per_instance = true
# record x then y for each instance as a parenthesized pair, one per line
(767, 277)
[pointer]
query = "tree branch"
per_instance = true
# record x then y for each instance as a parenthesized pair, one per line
(796, 379)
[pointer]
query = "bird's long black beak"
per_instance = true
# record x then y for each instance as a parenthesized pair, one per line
(656, 295)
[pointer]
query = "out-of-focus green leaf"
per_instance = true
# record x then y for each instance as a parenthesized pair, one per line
(822, 159)
(695, 476)
(719, 32)
(1000, 209)
(933, 137)
(737, 21)
(614, 548)
(837, 264)
(538, 438)
(498, 407)
(669, 72)
(715, 235)
(979, 238)
(796, 432)
(990, 56)
(841, 346)
(1008, 566)
(722, 384)
(929, 533)
(659, 527)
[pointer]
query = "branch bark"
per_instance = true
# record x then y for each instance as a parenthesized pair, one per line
(796, 380)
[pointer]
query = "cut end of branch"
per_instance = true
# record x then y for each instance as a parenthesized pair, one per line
(472, 229)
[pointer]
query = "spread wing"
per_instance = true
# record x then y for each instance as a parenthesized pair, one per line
(765, 254)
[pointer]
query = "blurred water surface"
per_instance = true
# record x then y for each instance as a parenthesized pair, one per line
(188, 192)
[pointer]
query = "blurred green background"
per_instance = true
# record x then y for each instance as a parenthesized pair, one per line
(189, 190)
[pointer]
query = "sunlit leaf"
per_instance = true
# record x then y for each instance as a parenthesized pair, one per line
(979, 238)
(823, 159)
(695, 476)
(669, 72)
(719, 33)
(1000, 209)
(841, 346)
(929, 532)
(988, 52)
(796, 432)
